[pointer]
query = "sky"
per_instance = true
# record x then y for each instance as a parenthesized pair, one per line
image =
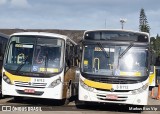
(78, 14)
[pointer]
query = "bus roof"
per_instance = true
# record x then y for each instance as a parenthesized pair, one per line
(44, 34)
(118, 30)
(4, 35)
(116, 34)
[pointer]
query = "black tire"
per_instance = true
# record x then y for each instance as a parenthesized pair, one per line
(1, 95)
(66, 102)
(18, 99)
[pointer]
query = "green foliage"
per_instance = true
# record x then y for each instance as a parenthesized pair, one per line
(143, 23)
(155, 44)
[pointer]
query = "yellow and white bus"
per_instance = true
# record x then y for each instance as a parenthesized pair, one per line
(39, 65)
(115, 67)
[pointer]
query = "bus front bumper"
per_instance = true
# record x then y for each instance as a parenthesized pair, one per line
(113, 97)
(49, 93)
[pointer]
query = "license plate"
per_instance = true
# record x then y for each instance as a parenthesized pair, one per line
(113, 97)
(29, 91)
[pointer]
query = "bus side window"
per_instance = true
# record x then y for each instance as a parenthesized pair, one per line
(67, 56)
(71, 54)
(70, 60)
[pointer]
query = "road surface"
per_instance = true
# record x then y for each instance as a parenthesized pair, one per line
(73, 107)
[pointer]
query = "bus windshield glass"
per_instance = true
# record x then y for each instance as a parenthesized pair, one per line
(112, 63)
(35, 54)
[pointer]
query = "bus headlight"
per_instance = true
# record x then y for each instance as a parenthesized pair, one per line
(141, 89)
(55, 82)
(6, 79)
(86, 86)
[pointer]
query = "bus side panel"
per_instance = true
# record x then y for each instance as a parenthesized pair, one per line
(152, 77)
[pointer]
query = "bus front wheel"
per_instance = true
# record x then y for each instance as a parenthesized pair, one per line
(18, 99)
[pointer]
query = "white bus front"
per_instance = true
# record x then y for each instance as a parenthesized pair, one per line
(114, 73)
(34, 67)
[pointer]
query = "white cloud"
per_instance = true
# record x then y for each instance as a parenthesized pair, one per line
(20, 3)
(2, 2)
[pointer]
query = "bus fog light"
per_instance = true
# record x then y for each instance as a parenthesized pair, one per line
(138, 100)
(55, 82)
(85, 97)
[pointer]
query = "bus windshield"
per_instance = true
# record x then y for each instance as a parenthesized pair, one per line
(112, 63)
(35, 54)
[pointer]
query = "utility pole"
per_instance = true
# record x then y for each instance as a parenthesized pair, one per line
(122, 21)
(105, 23)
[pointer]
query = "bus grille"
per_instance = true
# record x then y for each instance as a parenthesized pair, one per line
(113, 80)
(29, 84)
(114, 90)
(119, 98)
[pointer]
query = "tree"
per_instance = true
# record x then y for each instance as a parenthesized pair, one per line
(152, 42)
(157, 36)
(143, 23)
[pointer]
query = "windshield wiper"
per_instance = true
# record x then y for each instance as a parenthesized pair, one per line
(102, 48)
(125, 51)
(46, 62)
(22, 64)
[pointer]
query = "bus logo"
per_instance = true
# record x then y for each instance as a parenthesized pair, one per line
(112, 90)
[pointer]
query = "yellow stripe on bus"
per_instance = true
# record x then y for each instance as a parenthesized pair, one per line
(17, 78)
(97, 84)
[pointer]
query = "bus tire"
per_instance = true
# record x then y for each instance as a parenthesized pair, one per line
(1, 96)
(18, 99)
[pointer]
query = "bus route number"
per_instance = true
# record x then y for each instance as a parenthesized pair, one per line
(122, 87)
(39, 80)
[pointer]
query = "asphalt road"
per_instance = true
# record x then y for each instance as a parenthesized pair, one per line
(73, 107)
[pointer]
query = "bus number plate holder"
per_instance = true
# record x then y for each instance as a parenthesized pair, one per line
(111, 96)
(29, 91)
